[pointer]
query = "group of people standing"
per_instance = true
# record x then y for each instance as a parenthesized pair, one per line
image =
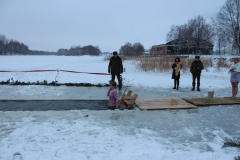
(115, 68)
(196, 69)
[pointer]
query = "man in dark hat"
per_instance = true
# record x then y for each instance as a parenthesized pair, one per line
(196, 69)
(115, 67)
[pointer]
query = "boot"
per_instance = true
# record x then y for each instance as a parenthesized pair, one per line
(174, 84)
(198, 89)
(120, 86)
(193, 88)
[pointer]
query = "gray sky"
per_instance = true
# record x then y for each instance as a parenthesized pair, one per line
(53, 24)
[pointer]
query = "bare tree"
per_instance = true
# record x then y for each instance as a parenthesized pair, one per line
(174, 36)
(129, 49)
(90, 50)
(227, 20)
(138, 49)
(126, 49)
(222, 40)
(62, 51)
(3, 42)
(203, 34)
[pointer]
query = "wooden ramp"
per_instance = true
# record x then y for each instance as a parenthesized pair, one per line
(213, 101)
(162, 103)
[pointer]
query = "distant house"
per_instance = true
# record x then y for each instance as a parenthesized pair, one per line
(182, 47)
(159, 49)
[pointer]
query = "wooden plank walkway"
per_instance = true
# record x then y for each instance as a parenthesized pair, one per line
(162, 103)
(213, 101)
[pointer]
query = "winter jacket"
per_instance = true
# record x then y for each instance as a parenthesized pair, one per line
(194, 69)
(115, 65)
(176, 75)
(113, 97)
(237, 66)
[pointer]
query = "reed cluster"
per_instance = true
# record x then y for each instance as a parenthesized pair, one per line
(159, 64)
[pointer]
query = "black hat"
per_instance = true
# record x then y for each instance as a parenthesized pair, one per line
(178, 59)
(115, 53)
(197, 57)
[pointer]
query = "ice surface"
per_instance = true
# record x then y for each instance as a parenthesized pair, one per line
(129, 134)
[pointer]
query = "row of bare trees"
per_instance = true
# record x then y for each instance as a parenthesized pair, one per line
(197, 35)
(226, 24)
(132, 49)
(78, 50)
(12, 46)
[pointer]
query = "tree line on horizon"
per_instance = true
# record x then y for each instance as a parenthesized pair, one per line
(78, 50)
(13, 47)
(126, 49)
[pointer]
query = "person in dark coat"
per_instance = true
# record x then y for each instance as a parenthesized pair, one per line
(176, 72)
(115, 67)
(196, 69)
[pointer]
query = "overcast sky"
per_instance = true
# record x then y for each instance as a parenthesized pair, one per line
(53, 24)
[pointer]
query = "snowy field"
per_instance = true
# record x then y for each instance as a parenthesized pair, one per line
(130, 134)
(132, 76)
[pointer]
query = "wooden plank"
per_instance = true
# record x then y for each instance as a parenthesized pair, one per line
(129, 93)
(121, 98)
(131, 102)
(162, 103)
(194, 102)
(128, 96)
(212, 101)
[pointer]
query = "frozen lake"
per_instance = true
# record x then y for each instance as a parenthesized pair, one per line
(120, 134)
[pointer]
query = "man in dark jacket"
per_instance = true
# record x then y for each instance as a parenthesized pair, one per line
(196, 69)
(115, 67)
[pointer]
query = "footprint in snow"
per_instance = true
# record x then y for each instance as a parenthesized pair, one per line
(17, 156)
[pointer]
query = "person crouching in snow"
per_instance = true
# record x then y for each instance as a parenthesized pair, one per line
(235, 77)
(176, 72)
(113, 96)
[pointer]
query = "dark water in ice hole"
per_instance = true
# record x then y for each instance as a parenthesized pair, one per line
(46, 105)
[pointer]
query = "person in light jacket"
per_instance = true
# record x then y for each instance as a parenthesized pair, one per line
(113, 96)
(235, 77)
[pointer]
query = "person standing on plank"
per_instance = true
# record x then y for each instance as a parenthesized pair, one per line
(235, 77)
(196, 69)
(176, 72)
(113, 96)
(115, 67)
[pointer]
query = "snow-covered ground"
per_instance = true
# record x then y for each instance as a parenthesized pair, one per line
(129, 134)
(132, 76)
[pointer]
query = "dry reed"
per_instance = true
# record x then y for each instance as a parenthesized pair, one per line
(159, 64)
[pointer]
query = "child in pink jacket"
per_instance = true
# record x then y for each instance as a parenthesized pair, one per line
(113, 96)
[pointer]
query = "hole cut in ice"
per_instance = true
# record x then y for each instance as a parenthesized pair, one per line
(57, 105)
